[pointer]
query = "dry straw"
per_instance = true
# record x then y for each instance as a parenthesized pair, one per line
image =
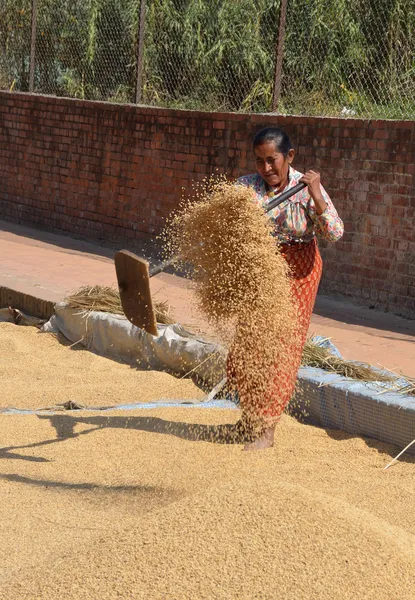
(322, 358)
(107, 299)
(399, 455)
(408, 388)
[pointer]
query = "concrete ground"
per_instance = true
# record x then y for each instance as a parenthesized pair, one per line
(49, 266)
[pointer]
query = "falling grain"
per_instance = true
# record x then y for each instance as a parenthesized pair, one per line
(242, 286)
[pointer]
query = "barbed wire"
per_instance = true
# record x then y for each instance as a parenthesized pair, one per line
(339, 57)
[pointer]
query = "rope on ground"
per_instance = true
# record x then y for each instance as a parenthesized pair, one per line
(176, 383)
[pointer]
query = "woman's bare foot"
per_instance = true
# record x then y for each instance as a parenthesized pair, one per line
(265, 440)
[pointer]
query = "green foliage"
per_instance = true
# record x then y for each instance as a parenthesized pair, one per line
(84, 48)
(355, 55)
(15, 27)
(211, 54)
(340, 56)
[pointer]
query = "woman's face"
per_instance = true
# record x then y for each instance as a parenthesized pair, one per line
(272, 165)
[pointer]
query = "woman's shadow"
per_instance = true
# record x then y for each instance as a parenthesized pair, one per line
(65, 425)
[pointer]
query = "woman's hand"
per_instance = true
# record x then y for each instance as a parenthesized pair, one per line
(312, 180)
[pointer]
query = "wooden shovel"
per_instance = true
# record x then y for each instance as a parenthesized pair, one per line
(133, 277)
(134, 285)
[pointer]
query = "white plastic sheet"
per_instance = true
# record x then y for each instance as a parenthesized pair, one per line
(330, 400)
(174, 349)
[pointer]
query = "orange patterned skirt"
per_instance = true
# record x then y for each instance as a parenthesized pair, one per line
(306, 267)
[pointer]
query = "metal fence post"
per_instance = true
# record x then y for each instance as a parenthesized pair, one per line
(279, 57)
(140, 51)
(33, 47)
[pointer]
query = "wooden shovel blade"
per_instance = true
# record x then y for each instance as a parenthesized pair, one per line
(134, 285)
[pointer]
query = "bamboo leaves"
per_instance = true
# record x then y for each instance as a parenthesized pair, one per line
(340, 56)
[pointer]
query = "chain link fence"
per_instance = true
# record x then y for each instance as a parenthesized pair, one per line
(307, 57)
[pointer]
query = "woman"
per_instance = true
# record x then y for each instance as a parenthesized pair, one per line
(297, 222)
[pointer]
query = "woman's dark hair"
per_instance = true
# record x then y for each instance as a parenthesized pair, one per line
(275, 135)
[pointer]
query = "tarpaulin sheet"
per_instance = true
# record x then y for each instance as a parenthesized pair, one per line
(174, 349)
(330, 400)
(358, 408)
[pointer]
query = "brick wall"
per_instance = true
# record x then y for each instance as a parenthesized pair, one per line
(115, 172)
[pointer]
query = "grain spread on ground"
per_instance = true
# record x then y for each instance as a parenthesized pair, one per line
(38, 371)
(242, 286)
(152, 504)
(131, 505)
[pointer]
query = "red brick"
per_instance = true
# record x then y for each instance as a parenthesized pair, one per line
(104, 161)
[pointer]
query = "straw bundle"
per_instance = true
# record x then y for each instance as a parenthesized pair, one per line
(321, 358)
(408, 388)
(107, 299)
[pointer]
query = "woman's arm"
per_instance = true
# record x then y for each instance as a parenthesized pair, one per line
(321, 209)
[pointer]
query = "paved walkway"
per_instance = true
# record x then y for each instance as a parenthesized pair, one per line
(49, 266)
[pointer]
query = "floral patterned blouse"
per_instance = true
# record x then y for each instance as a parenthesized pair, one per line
(296, 219)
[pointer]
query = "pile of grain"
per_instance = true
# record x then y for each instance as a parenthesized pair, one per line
(38, 371)
(129, 505)
(241, 285)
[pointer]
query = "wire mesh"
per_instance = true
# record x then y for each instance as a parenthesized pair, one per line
(84, 49)
(340, 57)
(215, 55)
(351, 58)
(15, 27)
